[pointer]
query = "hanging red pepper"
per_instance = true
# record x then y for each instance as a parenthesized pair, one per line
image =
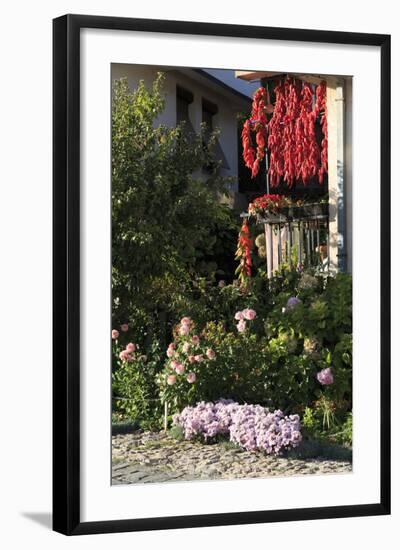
(257, 124)
(243, 252)
(249, 154)
(294, 153)
(275, 141)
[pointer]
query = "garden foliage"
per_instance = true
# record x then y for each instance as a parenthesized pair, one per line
(277, 359)
(170, 231)
(197, 334)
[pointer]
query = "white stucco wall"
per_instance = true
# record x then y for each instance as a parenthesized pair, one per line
(228, 105)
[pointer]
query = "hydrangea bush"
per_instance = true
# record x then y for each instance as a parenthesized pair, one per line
(251, 427)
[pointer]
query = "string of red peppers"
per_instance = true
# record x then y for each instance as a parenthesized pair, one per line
(290, 134)
(243, 253)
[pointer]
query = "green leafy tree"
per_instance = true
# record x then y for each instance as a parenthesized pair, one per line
(169, 228)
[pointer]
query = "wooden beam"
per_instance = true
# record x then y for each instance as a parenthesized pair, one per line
(332, 173)
(259, 75)
(254, 75)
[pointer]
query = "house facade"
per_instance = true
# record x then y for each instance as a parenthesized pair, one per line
(217, 97)
(196, 96)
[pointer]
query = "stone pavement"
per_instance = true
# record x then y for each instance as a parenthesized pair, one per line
(149, 457)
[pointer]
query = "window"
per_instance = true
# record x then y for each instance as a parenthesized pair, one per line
(208, 111)
(183, 99)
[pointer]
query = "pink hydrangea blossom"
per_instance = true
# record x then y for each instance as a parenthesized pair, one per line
(210, 353)
(114, 334)
(241, 326)
(239, 316)
(185, 347)
(130, 347)
(198, 358)
(195, 339)
(191, 377)
(179, 369)
(125, 327)
(249, 314)
(171, 379)
(325, 377)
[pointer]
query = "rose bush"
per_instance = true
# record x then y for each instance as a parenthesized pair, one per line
(133, 382)
(213, 363)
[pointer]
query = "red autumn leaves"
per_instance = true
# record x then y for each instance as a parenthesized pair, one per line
(290, 136)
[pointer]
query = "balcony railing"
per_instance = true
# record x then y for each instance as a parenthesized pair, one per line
(297, 237)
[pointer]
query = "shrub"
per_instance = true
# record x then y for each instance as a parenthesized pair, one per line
(133, 384)
(213, 363)
(321, 422)
(292, 366)
(250, 426)
(169, 229)
(310, 342)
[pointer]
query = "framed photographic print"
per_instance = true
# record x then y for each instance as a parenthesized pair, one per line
(221, 274)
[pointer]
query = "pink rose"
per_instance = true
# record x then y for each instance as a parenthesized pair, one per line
(125, 356)
(186, 321)
(184, 330)
(174, 364)
(210, 353)
(195, 339)
(171, 379)
(170, 352)
(172, 345)
(130, 347)
(114, 334)
(191, 359)
(241, 326)
(125, 327)
(198, 358)
(239, 316)
(191, 377)
(249, 314)
(185, 347)
(180, 369)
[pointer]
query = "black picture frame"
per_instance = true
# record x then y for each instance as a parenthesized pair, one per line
(66, 273)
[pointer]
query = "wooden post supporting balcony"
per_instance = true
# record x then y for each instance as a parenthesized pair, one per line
(334, 104)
